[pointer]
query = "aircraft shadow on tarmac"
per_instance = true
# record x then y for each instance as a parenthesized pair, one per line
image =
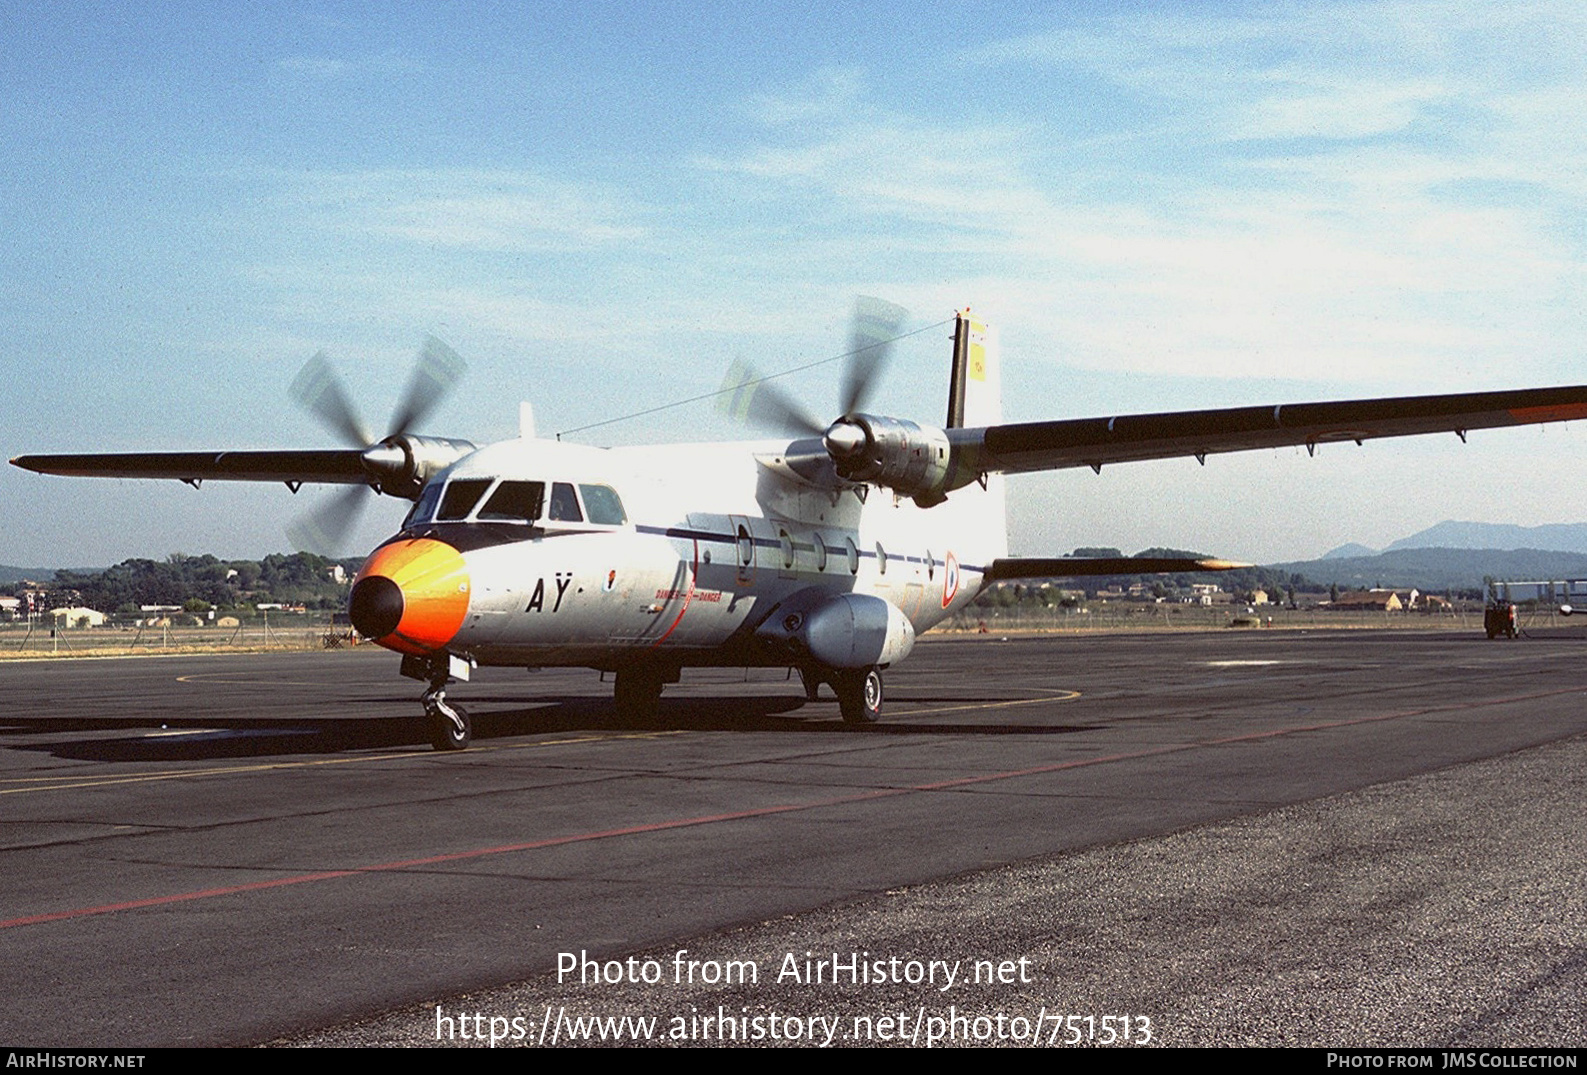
(198, 739)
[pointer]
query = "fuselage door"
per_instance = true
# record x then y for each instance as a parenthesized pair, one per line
(743, 548)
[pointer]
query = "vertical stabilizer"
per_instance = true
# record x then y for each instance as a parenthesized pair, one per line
(975, 399)
(975, 396)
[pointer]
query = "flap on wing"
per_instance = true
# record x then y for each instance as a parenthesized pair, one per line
(1073, 567)
(1093, 442)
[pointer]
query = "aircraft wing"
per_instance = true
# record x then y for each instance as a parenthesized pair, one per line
(333, 466)
(1093, 442)
(1073, 567)
(397, 466)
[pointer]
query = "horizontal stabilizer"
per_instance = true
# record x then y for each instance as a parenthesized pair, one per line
(1068, 567)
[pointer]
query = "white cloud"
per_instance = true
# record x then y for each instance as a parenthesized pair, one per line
(1340, 193)
(384, 64)
(466, 209)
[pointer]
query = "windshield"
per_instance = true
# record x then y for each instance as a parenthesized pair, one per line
(460, 497)
(426, 506)
(514, 502)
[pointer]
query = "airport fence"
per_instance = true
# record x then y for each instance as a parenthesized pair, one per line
(289, 632)
(297, 632)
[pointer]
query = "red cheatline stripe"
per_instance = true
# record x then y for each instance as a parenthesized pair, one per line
(764, 811)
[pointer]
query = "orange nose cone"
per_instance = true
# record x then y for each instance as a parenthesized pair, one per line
(411, 596)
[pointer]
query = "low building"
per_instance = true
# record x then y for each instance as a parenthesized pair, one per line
(77, 616)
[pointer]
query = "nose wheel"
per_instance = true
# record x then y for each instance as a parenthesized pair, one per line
(859, 695)
(450, 728)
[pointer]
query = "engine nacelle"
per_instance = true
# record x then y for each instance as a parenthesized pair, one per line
(839, 630)
(401, 465)
(909, 458)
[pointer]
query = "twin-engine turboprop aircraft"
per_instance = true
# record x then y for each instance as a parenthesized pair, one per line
(826, 552)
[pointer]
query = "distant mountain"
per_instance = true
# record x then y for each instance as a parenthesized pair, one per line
(1435, 570)
(1350, 551)
(1557, 537)
(10, 575)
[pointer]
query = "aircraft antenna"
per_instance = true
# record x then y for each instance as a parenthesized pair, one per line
(726, 389)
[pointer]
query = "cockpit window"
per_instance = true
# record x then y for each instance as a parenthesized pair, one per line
(514, 502)
(604, 505)
(564, 504)
(460, 497)
(426, 506)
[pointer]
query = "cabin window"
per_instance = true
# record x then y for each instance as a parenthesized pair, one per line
(461, 496)
(821, 553)
(564, 504)
(854, 555)
(881, 558)
(931, 566)
(746, 547)
(787, 548)
(514, 502)
(604, 505)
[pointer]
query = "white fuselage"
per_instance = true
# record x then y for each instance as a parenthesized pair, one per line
(713, 537)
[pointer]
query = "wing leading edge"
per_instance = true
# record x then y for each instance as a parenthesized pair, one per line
(397, 466)
(330, 466)
(1093, 442)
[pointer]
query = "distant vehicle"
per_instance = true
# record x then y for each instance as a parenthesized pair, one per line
(1499, 618)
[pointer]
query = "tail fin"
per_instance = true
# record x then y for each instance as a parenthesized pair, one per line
(975, 397)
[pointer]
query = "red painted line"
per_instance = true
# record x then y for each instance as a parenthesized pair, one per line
(694, 575)
(455, 856)
(764, 811)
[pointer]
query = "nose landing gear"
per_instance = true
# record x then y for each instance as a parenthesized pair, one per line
(450, 727)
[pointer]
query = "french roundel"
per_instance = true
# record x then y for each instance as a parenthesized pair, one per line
(950, 579)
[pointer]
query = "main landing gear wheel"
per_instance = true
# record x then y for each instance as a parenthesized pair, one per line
(450, 728)
(859, 695)
(637, 695)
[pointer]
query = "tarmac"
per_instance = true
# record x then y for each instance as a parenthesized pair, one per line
(1347, 839)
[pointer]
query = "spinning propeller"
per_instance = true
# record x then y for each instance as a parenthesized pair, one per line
(318, 389)
(760, 403)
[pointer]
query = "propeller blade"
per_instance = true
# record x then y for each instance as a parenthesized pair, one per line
(748, 397)
(318, 390)
(875, 326)
(438, 370)
(324, 529)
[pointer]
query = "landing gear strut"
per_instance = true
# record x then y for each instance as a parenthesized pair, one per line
(450, 728)
(637, 694)
(859, 694)
(812, 683)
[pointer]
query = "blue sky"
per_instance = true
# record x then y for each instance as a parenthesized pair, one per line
(603, 205)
